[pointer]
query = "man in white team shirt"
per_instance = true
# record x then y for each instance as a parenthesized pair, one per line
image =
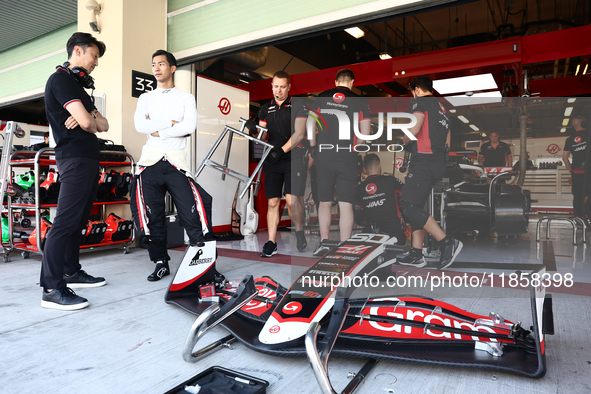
(167, 116)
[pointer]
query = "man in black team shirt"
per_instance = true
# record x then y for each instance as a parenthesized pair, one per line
(427, 166)
(377, 198)
(495, 153)
(74, 122)
(336, 159)
(576, 145)
(284, 171)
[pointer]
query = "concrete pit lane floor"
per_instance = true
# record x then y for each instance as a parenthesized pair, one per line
(130, 341)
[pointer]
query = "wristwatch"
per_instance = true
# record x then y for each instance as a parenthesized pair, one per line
(93, 114)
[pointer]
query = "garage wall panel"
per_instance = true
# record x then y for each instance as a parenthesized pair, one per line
(27, 66)
(30, 76)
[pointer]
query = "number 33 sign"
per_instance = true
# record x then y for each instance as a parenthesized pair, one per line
(141, 83)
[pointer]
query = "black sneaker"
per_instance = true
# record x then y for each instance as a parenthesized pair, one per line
(322, 249)
(301, 242)
(160, 271)
(63, 299)
(411, 259)
(269, 249)
(82, 280)
(449, 253)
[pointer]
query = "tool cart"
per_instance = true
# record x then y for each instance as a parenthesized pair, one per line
(41, 161)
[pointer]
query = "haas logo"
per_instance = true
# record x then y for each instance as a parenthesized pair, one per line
(338, 97)
(352, 249)
(371, 188)
(398, 163)
(554, 148)
(224, 106)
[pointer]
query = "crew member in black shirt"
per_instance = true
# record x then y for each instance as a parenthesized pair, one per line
(576, 145)
(74, 121)
(335, 154)
(427, 166)
(284, 172)
(495, 153)
(377, 196)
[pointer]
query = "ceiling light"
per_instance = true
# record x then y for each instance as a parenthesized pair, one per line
(578, 68)
(463, 119)
(568, 111)
(475, 99)
(453, 111)
(571, 100)
(565, 122)
(563, 130)
(385, 56)
(474, 128)
(483, 134)
(355, 32)
(585, 70)
(465, 84)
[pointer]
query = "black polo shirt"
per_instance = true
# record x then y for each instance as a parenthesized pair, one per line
(576, 144)
(278, 119)
(431, 138)
(342, 99)
(495, 157)
(62, 90)
(377, 197)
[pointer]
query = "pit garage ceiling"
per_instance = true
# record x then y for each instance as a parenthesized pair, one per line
(24, 20)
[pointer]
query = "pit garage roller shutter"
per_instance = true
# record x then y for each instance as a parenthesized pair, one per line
(198, 30)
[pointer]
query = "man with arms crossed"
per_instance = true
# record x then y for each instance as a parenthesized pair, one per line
(74, 121)
(168, 116)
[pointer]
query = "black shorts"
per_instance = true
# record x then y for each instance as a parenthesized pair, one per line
(339, 173)
(288, 172)
(420, 180)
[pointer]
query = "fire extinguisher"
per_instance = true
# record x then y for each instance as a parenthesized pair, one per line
(32, 238)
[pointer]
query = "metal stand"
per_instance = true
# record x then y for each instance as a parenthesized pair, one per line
(224, 169)
(214, 315)
(574, 221)
(11, 130)
(318, 351)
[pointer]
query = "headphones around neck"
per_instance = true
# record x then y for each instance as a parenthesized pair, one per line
(80, 75)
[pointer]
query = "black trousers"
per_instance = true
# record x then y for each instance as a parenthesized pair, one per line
(422, 176)
(61, 255)
(193, 205)
(580, 208)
